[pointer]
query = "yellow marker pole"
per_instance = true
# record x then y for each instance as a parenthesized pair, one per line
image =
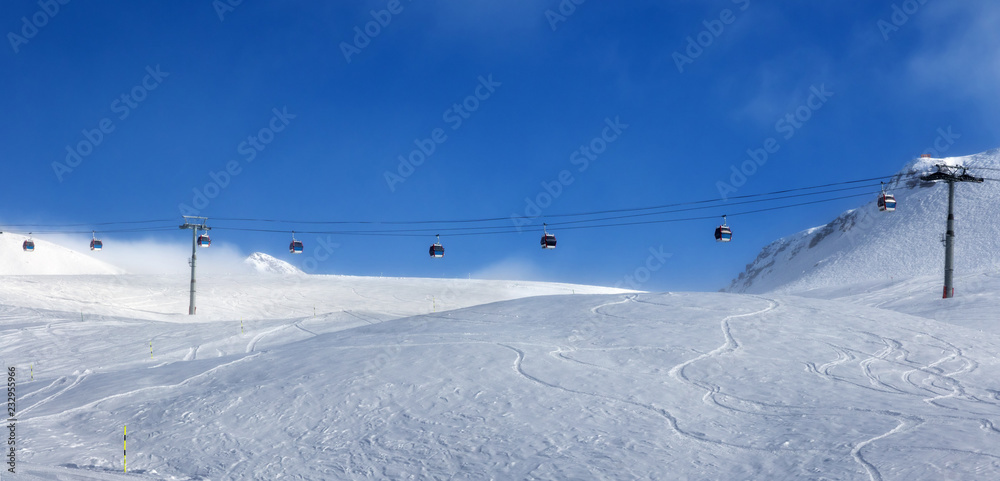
(241, 326)
(150, 349)
(125, 450)
(31, 368)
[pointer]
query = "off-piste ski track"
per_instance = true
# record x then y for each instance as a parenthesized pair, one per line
(614, 386)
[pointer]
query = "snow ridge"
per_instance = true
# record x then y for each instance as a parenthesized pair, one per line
(265, 264)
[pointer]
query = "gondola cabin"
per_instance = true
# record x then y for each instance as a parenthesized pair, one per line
(204, 241)
(548, 241)
(437, 250)
(28, 245)
(295, 247)
(886, 202)
(723, 234)
(96, 245)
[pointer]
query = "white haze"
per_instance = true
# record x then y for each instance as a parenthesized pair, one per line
(511, 268)
(151, 256)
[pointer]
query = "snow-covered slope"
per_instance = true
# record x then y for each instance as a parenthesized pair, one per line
(975, 306)
(225, 298)
(867, 245)
(625, 386)
(47, 259)
(262, 263)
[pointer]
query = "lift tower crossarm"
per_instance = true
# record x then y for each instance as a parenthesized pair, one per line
(945, 173)
(195, 224)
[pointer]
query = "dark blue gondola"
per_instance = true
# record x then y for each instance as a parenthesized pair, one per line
(437, 250)
(886, 201)
(204, 241)
(28, 245)
(95, 243)
(548, 240)
(723, 233)
(296, 246)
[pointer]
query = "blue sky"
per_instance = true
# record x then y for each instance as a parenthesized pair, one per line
(265, 90)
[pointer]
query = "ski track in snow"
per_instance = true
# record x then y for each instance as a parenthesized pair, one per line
(671, 419)
(873, 473)
(67, 473)
(900, 385)
(52, 385)
(730, 344)
(891, 346)
(126, 394)
(257, 338)
(989, 426)
(352, 314)
(843, 356)
(677, 372)
(626, 299)
(298, 325)
(48, 399)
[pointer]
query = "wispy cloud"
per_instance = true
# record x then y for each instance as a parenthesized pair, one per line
(155, 257)
(960, 53)
(511, 268)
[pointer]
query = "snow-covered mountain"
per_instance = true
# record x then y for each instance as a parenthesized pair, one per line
(265, 264)
(863, 244)
(47, 259)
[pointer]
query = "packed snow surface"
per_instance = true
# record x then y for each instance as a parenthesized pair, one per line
(444, 379)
